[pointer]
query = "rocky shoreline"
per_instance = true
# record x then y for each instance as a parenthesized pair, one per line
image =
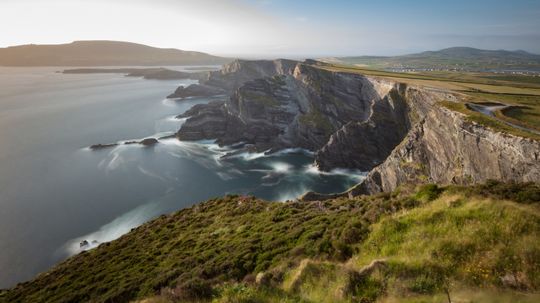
(398, 133)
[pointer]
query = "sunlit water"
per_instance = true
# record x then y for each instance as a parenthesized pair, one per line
(55, 192)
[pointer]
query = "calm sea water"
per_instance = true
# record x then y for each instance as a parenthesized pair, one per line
(55, 192)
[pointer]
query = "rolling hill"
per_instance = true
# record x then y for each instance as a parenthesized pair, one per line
(101, 53)
(460, 58)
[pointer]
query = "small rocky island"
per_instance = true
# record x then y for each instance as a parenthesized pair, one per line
(146, 73)
(144, 142)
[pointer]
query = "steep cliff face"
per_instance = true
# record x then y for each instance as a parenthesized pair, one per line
(364, 145)
(290, 107)
(444, 147)
(238, 72)
(402, 134)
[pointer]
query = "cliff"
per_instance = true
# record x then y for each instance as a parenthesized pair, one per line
(286, 105)
(352, 121)
(444, 147)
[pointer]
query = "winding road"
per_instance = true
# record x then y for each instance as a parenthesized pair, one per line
(489, 110)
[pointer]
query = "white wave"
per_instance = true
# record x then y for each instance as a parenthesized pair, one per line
(247, 156)
(224, 176)
(296, 150)
(206, 153)
(116, 159)
(270, 184)
(168, 124)
(151, 174)
(181, 121)
(292, 194)
(353, 174)
(280, 167)
(169, 102)
(236, 171)
(113, 230)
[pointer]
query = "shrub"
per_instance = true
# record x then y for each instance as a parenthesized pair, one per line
(195, 289)
(526, 193)
(428, 192)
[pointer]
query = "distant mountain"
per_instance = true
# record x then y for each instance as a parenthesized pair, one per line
(462, 58)
(101, 53)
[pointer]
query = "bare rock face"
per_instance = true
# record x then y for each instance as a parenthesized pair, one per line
(238, 72)
(207, 121)
(300, 109)
(364, 145)
(398, 133)
(446, 148)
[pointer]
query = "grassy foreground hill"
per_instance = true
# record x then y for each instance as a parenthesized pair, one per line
(429, 244)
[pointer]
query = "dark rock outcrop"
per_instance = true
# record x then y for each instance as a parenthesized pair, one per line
(364, 145)
(196, 90)
(210, 121)
(102, 146)
(300, 107)
(144, 142)
(149, 141)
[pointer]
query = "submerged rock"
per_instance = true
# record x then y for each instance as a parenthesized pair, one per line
(102, 146)
(149, 141)
(84, 243)
(145, 142)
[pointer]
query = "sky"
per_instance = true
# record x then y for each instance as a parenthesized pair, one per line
(278, 28)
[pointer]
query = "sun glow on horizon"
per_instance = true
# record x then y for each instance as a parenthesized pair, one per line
(273, 28)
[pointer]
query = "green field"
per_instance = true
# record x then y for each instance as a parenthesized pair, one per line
(455, 58)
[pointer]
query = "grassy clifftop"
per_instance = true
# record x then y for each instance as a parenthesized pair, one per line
(426, 244)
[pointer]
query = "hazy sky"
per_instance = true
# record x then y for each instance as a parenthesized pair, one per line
(273, 28)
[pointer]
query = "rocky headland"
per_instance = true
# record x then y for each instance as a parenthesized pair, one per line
(400, 134)
(195, 90)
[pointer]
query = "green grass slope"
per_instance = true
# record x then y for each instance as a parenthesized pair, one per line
(468, 243)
